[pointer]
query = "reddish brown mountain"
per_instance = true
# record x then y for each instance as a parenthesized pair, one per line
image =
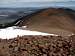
(52, 20)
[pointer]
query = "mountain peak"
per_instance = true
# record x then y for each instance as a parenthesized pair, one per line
(51, 20)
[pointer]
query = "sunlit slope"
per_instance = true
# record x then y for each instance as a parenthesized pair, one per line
(52, 20)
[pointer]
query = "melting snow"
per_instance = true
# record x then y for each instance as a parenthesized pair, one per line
(14, 31)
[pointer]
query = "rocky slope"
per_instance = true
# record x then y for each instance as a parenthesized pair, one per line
(38, 46)
(59, 21)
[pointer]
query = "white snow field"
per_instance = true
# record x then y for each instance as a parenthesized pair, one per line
(12, 32)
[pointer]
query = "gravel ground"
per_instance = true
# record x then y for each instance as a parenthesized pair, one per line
(37, 46)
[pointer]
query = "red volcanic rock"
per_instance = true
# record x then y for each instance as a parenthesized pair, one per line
(52, 20)
(37, 46)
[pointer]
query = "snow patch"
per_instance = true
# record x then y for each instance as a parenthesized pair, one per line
(14, 31)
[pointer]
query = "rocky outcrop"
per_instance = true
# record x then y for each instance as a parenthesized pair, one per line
(37, 46)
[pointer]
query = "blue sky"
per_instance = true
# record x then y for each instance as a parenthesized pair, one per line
(19, 3)
(14, 1)
(7, 1)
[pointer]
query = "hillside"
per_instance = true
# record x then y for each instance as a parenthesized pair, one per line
(37, 46)
(59, 21)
